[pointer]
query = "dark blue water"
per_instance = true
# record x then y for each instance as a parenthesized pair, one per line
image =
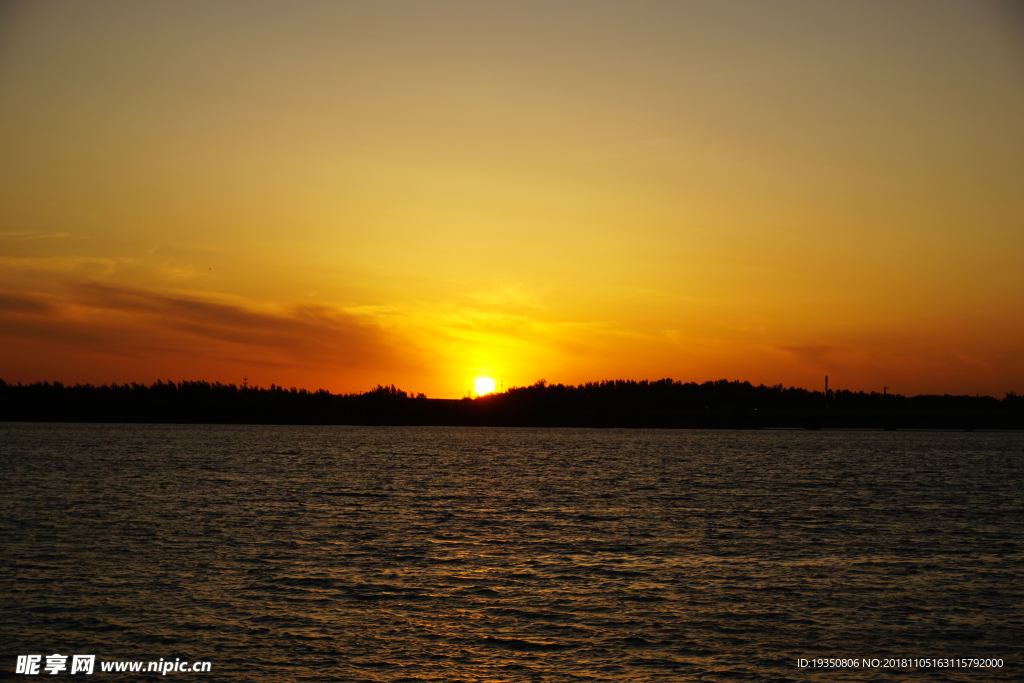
(434, 554)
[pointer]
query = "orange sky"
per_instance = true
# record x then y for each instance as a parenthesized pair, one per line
(339, 194)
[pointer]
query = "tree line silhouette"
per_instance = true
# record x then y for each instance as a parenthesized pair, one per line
(612, 403)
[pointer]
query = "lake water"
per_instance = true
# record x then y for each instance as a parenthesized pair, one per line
(461, 554)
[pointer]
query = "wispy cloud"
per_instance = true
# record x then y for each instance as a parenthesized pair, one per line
(33, 235)
(21, 304)
(100, 319)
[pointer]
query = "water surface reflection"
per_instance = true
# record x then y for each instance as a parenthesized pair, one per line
(387, 554)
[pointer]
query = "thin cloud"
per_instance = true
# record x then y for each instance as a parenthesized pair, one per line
(33, 235)
(22, 304)
(96, 318)
(814, 353)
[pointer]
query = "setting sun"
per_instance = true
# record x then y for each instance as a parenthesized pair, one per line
(349, 194)
(484, 385)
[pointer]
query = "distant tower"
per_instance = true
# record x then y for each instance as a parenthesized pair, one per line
(826, 385)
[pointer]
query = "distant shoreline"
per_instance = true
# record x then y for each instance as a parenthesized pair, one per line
(610, 404)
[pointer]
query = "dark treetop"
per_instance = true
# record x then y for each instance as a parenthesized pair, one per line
(617, 403)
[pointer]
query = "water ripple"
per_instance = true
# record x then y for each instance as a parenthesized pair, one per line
(433, 554)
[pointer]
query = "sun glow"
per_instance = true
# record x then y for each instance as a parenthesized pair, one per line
(483, 385)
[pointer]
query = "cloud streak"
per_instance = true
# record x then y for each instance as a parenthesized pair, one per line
(134, 328)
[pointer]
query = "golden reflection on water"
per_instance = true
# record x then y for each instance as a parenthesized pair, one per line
(381, 554)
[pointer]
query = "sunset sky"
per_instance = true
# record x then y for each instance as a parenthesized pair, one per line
(420, 193)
